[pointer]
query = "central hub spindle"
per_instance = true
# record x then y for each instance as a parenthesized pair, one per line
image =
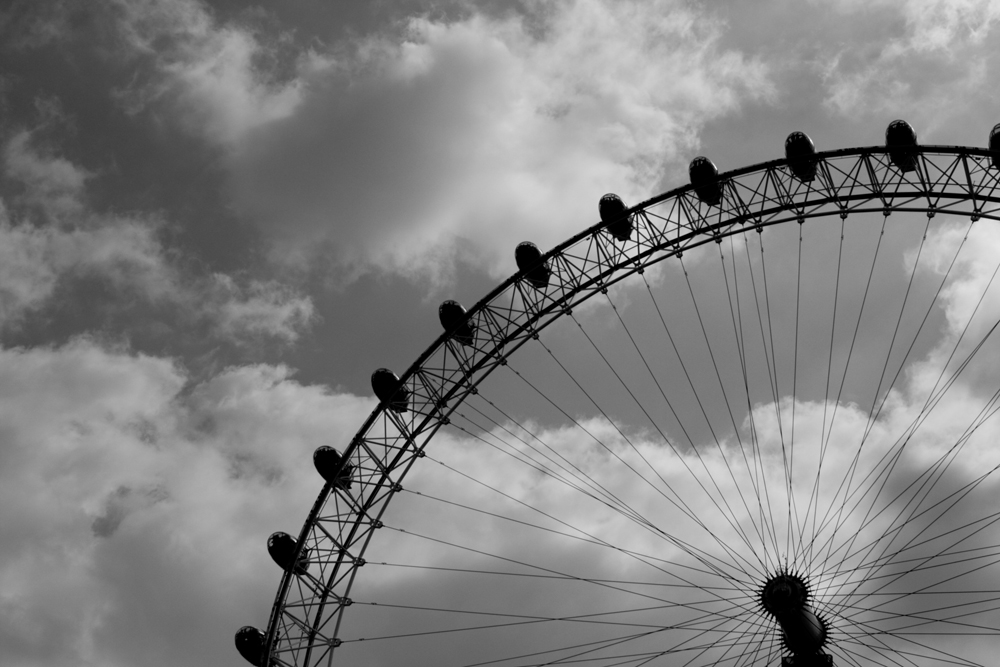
(786, 597)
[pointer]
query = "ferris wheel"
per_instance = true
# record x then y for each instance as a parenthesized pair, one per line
(750, 421)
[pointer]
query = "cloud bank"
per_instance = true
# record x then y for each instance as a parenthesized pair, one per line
(407, 150)
(52, 240)
(132, 502)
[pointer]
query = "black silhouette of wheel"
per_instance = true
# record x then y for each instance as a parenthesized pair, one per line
(749, 420)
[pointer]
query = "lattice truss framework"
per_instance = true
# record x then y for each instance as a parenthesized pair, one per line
(307, 611)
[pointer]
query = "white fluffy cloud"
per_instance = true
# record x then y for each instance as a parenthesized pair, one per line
(932, 54)
(50, 236)
(261, 309)
(51, 183)
(208, 73)
(409, 149)
(34, 259)
(135, 512)
(465, 135)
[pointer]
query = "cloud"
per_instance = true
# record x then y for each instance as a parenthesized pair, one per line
(129, 501)
(35, 26)
(966, 255)
(50, 239)
(51, 183)
(50, 234)
(408, 150)
(210, 74)
(932, 54)
(35, 259)
(261, 309)
(934, 25)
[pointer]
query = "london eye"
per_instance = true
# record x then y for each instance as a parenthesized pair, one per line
(749, 421)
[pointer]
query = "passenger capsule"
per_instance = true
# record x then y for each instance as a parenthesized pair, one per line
(995, 145)
(705, 179)
(529, 260)
(250, 644)
(281, 546)
(327, 461)
(901, 141)
(613, 215)
(801, 155)
(455, 321)
(390, 390)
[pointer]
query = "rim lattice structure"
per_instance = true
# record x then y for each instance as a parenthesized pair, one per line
(309, 606)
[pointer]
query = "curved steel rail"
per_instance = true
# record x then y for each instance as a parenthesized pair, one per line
(307, 611)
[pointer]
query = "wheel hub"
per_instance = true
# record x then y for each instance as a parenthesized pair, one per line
(786, 596)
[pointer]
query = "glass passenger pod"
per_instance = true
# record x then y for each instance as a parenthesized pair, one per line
(455, 321)
(250, 644)
(529, 262)
(995, 146)
(328, 464)
(901, 140)
(705, 179)
(282, 546)
(390, 390)
(614, 216)
(801, 155)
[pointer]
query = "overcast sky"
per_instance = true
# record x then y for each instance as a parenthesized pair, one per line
(217, 218)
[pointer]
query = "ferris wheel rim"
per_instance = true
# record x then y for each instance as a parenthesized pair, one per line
(622, 266)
